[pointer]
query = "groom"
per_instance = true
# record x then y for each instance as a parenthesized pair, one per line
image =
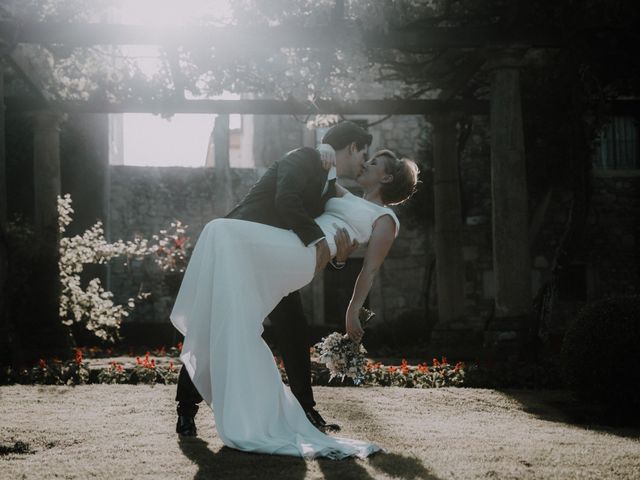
(291, 193)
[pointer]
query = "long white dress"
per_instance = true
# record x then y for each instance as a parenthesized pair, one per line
(238, 272)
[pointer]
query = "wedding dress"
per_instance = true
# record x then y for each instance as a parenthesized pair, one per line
(238, 272)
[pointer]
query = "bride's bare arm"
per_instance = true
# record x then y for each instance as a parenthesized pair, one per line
(382, 237)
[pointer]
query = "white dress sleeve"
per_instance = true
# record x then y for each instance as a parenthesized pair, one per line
(387, 211)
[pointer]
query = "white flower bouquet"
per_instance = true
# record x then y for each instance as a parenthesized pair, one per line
(342, 356)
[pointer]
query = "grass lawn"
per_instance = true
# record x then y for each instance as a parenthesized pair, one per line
(125, 431)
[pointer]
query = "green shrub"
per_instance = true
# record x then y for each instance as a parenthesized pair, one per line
(601, 355)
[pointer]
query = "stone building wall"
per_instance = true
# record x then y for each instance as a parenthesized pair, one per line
(403, 272)
(145, 200)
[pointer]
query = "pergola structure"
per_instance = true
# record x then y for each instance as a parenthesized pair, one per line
(490, 49)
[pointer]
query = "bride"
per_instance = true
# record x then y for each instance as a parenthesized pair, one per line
(237, 274)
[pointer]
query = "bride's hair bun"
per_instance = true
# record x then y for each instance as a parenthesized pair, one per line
(405, 178)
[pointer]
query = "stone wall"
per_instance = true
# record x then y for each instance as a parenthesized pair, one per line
(145, 200)
(606, 260)
(613, 231)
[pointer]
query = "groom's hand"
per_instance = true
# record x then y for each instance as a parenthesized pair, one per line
(344, 245)
(323, 255)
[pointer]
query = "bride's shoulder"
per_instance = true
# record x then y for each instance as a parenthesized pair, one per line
(384, 211)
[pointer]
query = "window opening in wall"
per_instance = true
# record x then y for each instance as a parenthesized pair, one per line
(618, 146)
(143, 139)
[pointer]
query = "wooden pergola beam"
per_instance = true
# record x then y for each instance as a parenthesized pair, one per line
(416, 40)
(265, 107)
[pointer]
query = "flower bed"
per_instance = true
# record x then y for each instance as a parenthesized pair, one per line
(157, 366)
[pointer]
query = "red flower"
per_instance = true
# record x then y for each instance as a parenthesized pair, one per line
(42, 364)
(404, 367)
(180, 346)
(444, 361)
(423, 368)
(79, 356)
(436, 363)
(392, 369)
(171, 367)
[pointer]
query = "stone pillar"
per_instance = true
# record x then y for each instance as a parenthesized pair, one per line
(46, 168)
(50, 337)
(221, 163)
(5, 342)
(450, 335)
(221, 142)
(448, 223)
(3, 158)
(511, 257)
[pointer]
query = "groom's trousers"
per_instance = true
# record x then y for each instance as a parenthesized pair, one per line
(292, 337)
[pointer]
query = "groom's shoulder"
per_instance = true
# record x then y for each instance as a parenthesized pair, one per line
(304, 153)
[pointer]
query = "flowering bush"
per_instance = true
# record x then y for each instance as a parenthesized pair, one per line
(94, 305)
(115, 373)
(170, 249)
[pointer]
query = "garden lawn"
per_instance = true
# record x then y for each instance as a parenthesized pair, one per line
(127, 431)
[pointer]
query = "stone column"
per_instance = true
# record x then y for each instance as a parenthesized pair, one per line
(50, 337)
(3, 158)
(46, 168)
(222, 165)
(511, 257)
(5, 335)
(450, 335)
(448, 223)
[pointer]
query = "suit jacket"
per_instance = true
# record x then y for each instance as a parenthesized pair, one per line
(289, 195)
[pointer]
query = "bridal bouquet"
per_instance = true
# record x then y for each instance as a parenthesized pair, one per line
(342, 356)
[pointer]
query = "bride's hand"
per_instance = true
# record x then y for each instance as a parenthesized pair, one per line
(327, 156)
(353, 327)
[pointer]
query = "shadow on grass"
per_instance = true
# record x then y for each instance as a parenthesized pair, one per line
(561, 406)
(391, 464)
(230, 463)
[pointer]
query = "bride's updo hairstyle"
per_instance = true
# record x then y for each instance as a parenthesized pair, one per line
(405, 178)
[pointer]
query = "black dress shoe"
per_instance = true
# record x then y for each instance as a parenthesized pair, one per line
(317, 421)
(186, 426)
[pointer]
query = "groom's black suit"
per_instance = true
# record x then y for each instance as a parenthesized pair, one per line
(289, 195)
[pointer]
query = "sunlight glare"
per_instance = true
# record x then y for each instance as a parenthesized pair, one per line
(150, 140)
(172, 12)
